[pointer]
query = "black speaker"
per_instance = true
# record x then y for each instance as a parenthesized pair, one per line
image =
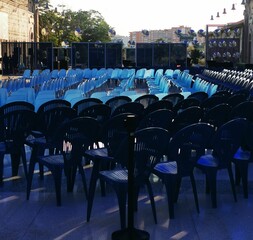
(30, 51)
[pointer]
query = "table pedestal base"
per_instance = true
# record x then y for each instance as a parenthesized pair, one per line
(133, 234)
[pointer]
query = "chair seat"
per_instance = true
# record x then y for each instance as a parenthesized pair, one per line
(120, 176)
(2, 147)
(241, 154)
(53, 160)
(98, 153)
(208, 160)
(37, 140)
(166, 167)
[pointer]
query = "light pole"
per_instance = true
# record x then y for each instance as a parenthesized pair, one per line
(36, 21)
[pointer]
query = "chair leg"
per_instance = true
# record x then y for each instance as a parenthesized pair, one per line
(237, 175)
(151, 197)
(137, 191)
(41, 169)
(30, 173)
(121, 192)
(15, 160)
(169, 182)
(92, 188)
(23, 156)
(83, 180)
(211, 175)
(232, 182)
(40, 152)
(243, 168)
(194, 189)
(177, 189)
(1, 167)
(70, 173)
(207, 186)
(102, 187)
(57, 174)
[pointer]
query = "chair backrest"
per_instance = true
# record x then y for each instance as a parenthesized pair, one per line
(185, 103)
(186, 117)
(27, 73)
(46, 93)
(160, 104)
(140, 73)
(16, 125)
(49, 120)
(162, 118)
(79, 134)
(243, 110)
(201, 96)
(222, 93)
(101, 112)
(84, 103)
(13, 106)
(113, 132)
(28, 92)
(213, 101)
(228, 138)
(188, 144)
(116, 101)
(174, 98)
(147, 99)
(54, 73)
(72, 93)
(130, 107)
(54, 103)
(150, 144)
(217, 115)
(62, 73)
(3, 96)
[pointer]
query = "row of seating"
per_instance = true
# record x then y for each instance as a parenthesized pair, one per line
(43, 135)
(230, 80)
(198, 106)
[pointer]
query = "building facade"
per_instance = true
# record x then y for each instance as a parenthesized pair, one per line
(17, 21)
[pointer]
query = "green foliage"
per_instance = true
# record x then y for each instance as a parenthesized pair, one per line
(58, 27)
(195, 55)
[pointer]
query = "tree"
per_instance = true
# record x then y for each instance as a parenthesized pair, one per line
(70, 26)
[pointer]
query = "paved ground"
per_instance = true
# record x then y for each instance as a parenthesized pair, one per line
(40, 218)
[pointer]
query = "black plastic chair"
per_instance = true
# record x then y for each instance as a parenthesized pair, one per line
(84, 103)
(10, 107)
(15, 126)
(149, 147)
(17, 105)
(41, 137)
(54, 103)
(226, 142)
(243, 157)
(213, 101)
(101, 112)
(174, 98)
(162, 118)
(70, 140)
(117, 101)
(112, 133)
(201, 96)
(130, 107)
(160, 104)
(217, 115)
(146, 99)
(243, 110)
(236, 99)
(184, 149)
(186, 117)
(186, 103)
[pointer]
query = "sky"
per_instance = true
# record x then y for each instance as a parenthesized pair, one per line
(136, 15)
